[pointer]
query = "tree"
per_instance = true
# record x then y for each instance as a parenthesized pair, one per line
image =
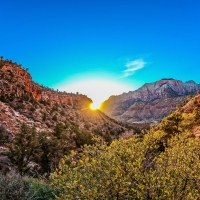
(53, 146)
(24, 148)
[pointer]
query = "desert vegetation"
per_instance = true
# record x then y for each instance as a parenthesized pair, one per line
(162, 163)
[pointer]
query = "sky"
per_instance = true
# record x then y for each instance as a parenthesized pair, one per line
(102, 47)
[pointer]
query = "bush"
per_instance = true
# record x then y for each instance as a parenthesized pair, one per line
(3, 135)
(83, 138)
(38, 189)
(137, 168)
(13, 187)
(54, 118)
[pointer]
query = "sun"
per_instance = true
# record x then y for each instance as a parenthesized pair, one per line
(95, 106)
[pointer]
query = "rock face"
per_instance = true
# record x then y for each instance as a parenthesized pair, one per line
(24, 101)
(16, 82)
(151, 102)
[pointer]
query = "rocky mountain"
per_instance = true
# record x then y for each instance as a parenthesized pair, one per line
(24, 101)
(62, 118)
(151, 102)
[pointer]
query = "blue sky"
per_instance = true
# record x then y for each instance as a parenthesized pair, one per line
(102, 47)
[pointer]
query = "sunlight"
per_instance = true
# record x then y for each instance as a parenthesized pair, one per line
(98, 90)
(95, 106)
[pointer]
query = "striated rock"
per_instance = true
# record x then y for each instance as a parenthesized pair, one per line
(151, 102)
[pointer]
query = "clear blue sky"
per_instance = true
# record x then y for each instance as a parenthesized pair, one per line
(69, 44)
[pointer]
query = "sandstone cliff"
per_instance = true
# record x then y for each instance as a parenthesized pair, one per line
(151, 102)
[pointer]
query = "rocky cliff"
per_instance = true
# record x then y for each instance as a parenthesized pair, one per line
(24, 101)
(151, 102)
(16, 82)
(52, 113)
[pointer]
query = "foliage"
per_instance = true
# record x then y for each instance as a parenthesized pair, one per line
(53, 147)
(83, 138)
(54, 108)
(14, 187)
(54, 118)
(152, 167)
(24, 148)
(33, 152)
(3, 135)
(177, 171)
(44, 117)
(170, 124)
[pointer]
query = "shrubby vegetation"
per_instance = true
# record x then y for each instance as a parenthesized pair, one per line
(132, 169)
(15, 187)
(162, 164)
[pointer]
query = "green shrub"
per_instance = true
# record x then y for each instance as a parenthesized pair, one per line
(13, 187)
(38, 189)
(83, 138)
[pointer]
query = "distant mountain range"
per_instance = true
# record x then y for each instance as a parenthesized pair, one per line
(151, 102)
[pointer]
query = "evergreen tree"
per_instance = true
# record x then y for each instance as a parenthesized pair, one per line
(24, 148)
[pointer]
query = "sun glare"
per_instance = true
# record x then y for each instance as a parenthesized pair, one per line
(95, 106)
(98, 90)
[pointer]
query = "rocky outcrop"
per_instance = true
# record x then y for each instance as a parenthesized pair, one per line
(24, 101)
(151, 102)
(16, 82)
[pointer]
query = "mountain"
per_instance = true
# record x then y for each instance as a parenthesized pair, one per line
(63, 121)
(151, 102)
(24, 101)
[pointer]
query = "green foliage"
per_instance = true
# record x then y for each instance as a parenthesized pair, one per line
(45, 102)
(33, 101)
(83, 138)
(33, 152)
(60, 144)
(62, 113)
(13, 186)
(39, 189)
(177, 170)
(24, 148)
(58, 130)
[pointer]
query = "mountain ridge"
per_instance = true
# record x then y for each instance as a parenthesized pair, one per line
(150, 102)
(24, 101)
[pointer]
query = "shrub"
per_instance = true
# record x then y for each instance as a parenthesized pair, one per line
(15, 187)
(54, 118)
(83, 138)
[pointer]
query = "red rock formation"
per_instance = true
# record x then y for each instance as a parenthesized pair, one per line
(17, 81)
